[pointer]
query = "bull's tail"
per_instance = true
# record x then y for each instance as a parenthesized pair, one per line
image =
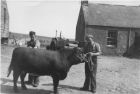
(9, 70)
(11, 64)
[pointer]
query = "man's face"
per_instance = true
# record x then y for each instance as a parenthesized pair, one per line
(90, 40)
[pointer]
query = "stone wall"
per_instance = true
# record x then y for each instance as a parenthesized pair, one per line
(124, 41)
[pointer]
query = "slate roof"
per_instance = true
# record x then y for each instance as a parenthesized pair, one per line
(112, 15)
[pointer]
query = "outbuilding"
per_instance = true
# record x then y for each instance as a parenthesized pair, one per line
(115, 27)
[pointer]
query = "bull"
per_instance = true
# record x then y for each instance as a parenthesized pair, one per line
(43, 62)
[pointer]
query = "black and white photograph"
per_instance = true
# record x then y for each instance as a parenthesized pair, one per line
(70, 47)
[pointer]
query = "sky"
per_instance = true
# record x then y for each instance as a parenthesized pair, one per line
(46, 16)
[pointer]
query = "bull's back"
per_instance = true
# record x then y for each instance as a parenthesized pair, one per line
(39, 61)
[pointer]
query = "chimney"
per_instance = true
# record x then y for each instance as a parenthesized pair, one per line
(84, 2)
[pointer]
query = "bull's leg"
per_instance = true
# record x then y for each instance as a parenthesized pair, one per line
(16, 74)
(22, 76)
(55, 84)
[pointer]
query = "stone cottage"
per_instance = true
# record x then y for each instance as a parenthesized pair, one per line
(115, 27)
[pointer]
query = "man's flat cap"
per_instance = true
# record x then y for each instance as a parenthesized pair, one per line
(89, 36)
(32, 33)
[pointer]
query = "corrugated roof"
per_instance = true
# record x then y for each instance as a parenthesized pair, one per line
(112, 15)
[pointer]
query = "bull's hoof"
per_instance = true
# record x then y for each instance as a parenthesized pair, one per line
(24, 87)
(35, 85)
(28, 82)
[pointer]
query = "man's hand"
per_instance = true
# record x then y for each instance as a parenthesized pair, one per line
(93, 54)
(89, 54)
(35, 47)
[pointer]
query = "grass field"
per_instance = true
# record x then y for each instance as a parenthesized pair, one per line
(115, 75)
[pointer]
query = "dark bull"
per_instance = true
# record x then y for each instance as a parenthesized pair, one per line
(43, 62)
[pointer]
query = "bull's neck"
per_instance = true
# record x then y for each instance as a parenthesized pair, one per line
(67, 62)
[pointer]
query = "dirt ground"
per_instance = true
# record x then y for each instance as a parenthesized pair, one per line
(116, 75)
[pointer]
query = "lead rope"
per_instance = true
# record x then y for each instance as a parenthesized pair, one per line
(90, 64)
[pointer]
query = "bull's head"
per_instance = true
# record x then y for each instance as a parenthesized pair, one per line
(77, 55)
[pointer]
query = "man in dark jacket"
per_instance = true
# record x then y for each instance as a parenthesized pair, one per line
(92, 50)
(33, 43)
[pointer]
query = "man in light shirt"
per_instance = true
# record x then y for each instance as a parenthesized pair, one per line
(33, 43)
(92, 50)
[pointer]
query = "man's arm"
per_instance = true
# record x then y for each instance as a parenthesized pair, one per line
(98, 51)
(37, 44)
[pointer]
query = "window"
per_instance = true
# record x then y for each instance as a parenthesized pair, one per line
(112, 38)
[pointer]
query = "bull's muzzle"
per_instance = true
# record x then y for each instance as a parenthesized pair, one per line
(78, 55)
